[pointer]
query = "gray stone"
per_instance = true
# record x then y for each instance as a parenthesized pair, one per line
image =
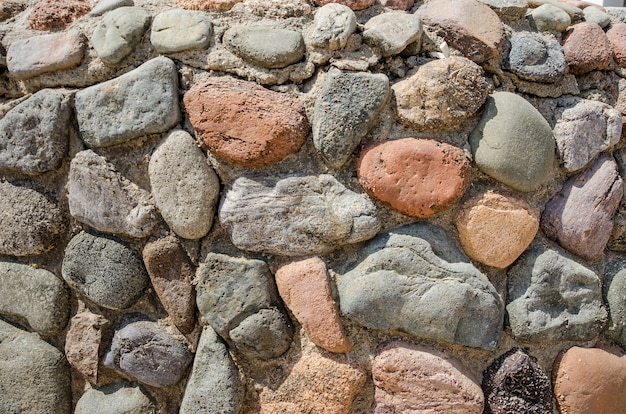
(35, 296)
(266, 334)
(595, 15)
(141, 102)
(102, 198)
(267, 47)
(31, 223)
(104, 6)
(147, 352)
(508, 9)
(34, 136)
(536, 58)
(549, 17)
(295, 215)
(214, 386)
(344, 112)
(552, 297)
(184, 186)
(392, 32)
(104, 270)
(415, 280)
(115, 398)
(614, 291)
(119, 32)
(177, 30)
(332, 26)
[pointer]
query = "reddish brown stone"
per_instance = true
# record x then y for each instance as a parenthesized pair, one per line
(207, 5)
(82, 343)
(617, 37)
(398, 4)
(353, 4)
(57, 15)
(586, 48)
(244, 123)
(417, 177)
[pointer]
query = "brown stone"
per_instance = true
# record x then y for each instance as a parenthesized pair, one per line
(617, 37)
(305, 289)
(82, 343)
(244, 123)
(586, 48)
(417, 177)
(57, 15)
(353, 4)
(495, 229)
(207, 5)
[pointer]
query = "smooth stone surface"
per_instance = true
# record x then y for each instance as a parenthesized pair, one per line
(414, 280)
(353, 4)
(119, 32)
(392, 32)
(536, 58)
(617, 37)
(614, 291)
(104, 6)
(549, 17)
(332, 26)
(115, 398)
(177, 30)
(295, 215)
(56, 15)
(553, 298)
(417, 177)
(141, 102)
(586, 48)
(597, 16)
(267, 47)
(207, 5)
(508, 9)
(184, 186)
(104, 270)
(82, 343)
(512, 142)
(265, 335)
(346, 109)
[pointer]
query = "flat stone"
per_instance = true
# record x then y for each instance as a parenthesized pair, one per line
(104, 6)
(586, 48)
(104, 270)
(55, 15)
(296, 215)
(101, 197)
(265, 335)
(535, 57)
(119, 32)
(141, 102)
(353, 4)
(508, 9)
(513, 142)
(184, 186)
(495, 229)
(244, 123)
(31, 223)
(45, 53)
(414, 280)
(34, 136)
(553, 298)
(614, 291)
(177, 30)
(397, 4)
(346, 109)
(595, 15)
(332, 26)
(207, 5)
(267, 47)
(580, 216)
(548, 17)
(617, 37)
(417, 177)
(414, 378)
(441, 94)
(392, 32)
(115, 398)
(305, 288)
(82, 343)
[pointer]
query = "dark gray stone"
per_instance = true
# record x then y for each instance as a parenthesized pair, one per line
(614, 290)
(119, 32)
(392, 32)
(267, 47)
(177, 30)
(332, 26)
(265, 335)
(536, 58)
(115, 398)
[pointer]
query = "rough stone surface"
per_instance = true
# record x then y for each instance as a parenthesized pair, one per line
(177, 30)
(115, 398)
(392, 32)
(82, 343)
(141, 102)
(549, 17)
(345, 110)
(508, 9)
(104, 6)
(353, 4)
(332, 26)
(207, 5)
(414, 280)
(595, 15)
(614, 291)
(327, 215)
(56, 15)
(586, 48)
(617, 36)
(417, 177)
(266, 334)
(266, 47)
(536, 58)
(119, 32)
(512, 142)
(244, 123)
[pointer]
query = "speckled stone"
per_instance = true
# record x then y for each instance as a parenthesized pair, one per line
(267, 47)
(549, 17)
(83, 342)
(353, 4)
(177, 30)
(56, 15)
(617, 37)
(586, 48)
(119, 32)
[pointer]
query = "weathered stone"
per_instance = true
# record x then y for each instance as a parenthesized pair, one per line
(580, 216)
(508, 9)
(207, 5)
(535, 57)
(177, 30)
(617, 37)
(104, 6)
(595, 15)
(184, 186)
(344, 112)
(115, 398)
(104, 270)
(614, 291)
(392, 32)
(586, 48)
(56, 15)
(414, 280)
(82, 343)
(267, 47)
(549, 17)
(353, 4)
(266, 334)
(34, 136)
(119, 32)
(141, 102)
(417, 177)
(397, 4)
(332, 26)
(512, 142)
(414, 379)
(441, 94)
(295, 215)
(244, 123)
(552, 298)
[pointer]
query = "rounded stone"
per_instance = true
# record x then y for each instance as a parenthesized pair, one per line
(115, 398)
(353, 4)
(586, 48)
(332, 26)
(266, 47)
(56, 15)
(177, 30)
(266, 334)
(617, 36)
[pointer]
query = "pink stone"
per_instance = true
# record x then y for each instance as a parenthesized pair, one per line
(586, 48)
(82, 343)
(617, 37)
(57, 15)
(353, 4)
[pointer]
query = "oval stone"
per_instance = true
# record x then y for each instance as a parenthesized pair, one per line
(267, 47)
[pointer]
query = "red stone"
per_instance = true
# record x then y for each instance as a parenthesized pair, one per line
(617, 37)
(57, 15)
(586, 48)
(353, 4)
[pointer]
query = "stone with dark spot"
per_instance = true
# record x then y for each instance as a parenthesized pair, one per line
(586, 48)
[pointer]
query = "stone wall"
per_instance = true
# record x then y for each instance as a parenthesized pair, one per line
(288, 206)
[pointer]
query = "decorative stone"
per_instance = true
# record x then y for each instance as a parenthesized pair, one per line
(266, 334)
(104, 6)
(614, 291)
(295, 215)
(177, 30)
(353, 4)
(345, 110)
(141, 102)
(508, 9)
(549, 17)
(397, 4)
(82, 343)
(332, 26)
(586, 48)
(56, 15)
(512, 142)
(617, 37)
(119, 32)
(595, 15)
(115, 398)
(207, 5)
(244, 123)
(441, 94)
(536, 58)
(414, 280)
(392, 32)
(266, 47)
(417, 177)
(184, 186)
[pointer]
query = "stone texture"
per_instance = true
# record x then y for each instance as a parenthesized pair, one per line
(580, 216)
(353, 4)
(177, 30)
(104, 6)
(508, 9)
(141, 102)
(418, 379)
(267, 47)
(305, 288)
(617, 37)
(119, 32)
(45, 53)
(536, 58)
(266, 334)
(495, 229)
(115, 398)
(586, 48)
(392, 32)
(82, 343)
(56, 15)
(414, 280)
(207, 5)
(332, 26)
(553, 298)
(184, 186)
(104, 270)
(295, 215)
(34, 135)
(441, 94)
(346, 109)
(417, 177)
(614, 291)
(512, 142)
(595, 15)
(549, 17)
(272, 125)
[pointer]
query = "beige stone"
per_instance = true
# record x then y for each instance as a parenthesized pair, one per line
(82, 343)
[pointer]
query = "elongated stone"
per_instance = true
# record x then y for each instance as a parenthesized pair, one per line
(119, 32)
(267, 47)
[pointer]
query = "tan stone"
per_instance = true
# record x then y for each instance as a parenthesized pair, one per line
(82, 343)
(207, 5)
(353, 4)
